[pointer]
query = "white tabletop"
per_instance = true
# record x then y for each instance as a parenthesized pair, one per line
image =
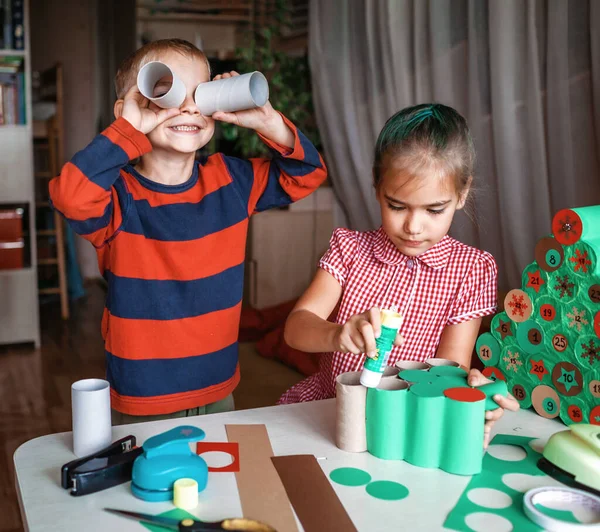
(306, 428)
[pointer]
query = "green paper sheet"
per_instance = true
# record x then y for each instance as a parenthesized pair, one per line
(590, 220)
(493, 469)
(350, 476)
(386, 423)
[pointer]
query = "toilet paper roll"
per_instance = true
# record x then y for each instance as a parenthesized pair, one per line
(518, 305)
(236, 93)
(567, 379)
(90, 402)
(591, 292)
(535, 280)
(488, 349)
(412, 364)
(577, 318)
(564, 285)
(521, 391)
(549, 254)
(573, 410)
(150, 74)
(571, 225)
(545, 401)
(530, 336)
(548, 311)
(582, 257)
(560, 342)
(351, 399)
(587, 352)
(388, 401)
(437, 362)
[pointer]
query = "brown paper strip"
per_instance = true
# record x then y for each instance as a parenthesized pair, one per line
(262, 494)
(315, 501)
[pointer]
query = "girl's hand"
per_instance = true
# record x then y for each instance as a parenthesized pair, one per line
(476, 378)
(137, 111)
(359, 333)
(264, 120)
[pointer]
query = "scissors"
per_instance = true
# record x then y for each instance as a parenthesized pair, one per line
(191, 525)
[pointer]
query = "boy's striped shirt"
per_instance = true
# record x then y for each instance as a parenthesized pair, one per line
(173, 257)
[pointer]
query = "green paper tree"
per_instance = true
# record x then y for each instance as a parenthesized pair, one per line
(546, 343)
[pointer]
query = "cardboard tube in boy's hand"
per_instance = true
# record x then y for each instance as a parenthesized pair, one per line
(229, 95)
(148, 77)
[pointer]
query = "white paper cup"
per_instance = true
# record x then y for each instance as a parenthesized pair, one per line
(236, 93)
(90, 403)
(150, 74)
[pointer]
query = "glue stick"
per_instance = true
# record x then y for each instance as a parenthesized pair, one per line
(374, 367)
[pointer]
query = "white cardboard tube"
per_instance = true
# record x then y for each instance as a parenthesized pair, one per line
(436, 362)
(351, 404)
(90, 402)
(150, 74)
(412, 364)
(236, 93)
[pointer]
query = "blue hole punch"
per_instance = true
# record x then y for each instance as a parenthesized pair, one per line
(166, 458)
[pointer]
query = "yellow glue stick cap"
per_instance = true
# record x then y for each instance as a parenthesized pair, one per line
(185, 493)
(391, 319)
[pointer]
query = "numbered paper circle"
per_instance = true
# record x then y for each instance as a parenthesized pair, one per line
(545, 401)
(518, 305)
(488, 349)
(549, 254)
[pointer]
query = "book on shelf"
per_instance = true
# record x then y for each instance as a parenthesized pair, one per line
(12, 24)
(12, 98)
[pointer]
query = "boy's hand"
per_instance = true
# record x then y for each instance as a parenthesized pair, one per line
(264, 120)
(358, 334)
(137, 112)
(476, 378)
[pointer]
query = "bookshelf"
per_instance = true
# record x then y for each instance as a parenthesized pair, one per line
(19, 314)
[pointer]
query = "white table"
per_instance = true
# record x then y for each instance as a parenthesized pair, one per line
(306, 428)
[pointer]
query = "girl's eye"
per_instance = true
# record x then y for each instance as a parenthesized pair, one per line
(433, 211)
(395, 207)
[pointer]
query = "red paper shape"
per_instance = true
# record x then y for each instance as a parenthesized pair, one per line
(231, 448)
(535, 281)
(465, 395)
(567, 227)
(595, 415)
(538, 368)
(493, 373)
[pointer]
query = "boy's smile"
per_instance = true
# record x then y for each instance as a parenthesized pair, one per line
(190, 130)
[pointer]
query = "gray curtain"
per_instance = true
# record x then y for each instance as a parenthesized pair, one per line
(525, 74)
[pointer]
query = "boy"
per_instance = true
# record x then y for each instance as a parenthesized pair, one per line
(170, 233)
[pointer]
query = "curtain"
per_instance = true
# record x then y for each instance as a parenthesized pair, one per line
(524, 73)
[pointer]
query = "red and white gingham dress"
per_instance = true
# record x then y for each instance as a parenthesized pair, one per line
(448, 284)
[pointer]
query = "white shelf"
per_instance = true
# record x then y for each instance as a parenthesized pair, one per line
(18, 53)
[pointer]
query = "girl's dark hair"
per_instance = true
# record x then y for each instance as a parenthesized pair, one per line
(431, 137)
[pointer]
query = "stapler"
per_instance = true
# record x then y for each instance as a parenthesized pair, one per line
(573, 457)
(167, 457)
(104, 469)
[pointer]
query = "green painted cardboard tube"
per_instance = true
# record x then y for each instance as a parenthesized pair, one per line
(386, 419)
(463, 436)
(582, 257)
(497, 387)
(425, 418)
(590, 220)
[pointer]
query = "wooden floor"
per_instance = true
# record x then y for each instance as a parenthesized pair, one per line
(35, 385)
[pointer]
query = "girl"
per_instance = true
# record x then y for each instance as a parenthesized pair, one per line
(422, 174)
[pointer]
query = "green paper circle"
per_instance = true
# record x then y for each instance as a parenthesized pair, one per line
(416, 375)
(526, 332)
(387, 490)
(448, 371)
(547, 401)
(553, 258)
(488, 349)
(350, 476)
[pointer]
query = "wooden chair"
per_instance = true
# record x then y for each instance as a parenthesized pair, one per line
(48, 138)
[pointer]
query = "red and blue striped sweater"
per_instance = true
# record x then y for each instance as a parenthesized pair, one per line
(173, 257)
